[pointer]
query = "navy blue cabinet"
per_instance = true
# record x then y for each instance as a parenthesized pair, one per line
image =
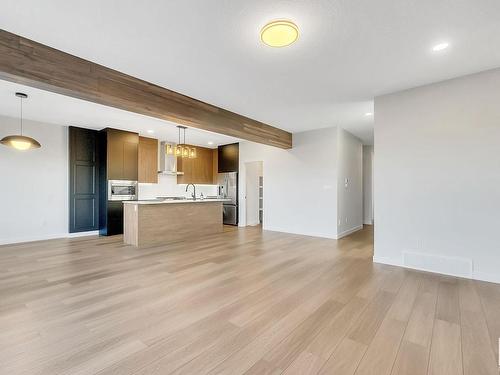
(83, 180)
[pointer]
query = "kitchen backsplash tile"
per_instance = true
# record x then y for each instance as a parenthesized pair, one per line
(167, 186)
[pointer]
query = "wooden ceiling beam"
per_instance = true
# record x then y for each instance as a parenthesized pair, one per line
(33, 64)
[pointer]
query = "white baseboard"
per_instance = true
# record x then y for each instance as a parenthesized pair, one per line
(474, 275)
(489, 277)
(316, 234)
(83, 234)
(348, 232)
(448, 265)
(388, 261)
(9, 241)
(310, 234)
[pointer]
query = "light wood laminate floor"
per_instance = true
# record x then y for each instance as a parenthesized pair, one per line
(244, 301)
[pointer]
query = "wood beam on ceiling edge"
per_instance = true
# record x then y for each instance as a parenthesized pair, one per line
(33, 64)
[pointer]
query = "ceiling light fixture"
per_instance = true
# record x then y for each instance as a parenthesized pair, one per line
(151, 131)
(440, 46)
(369, 114)
(182, 149)
(279, 33)
(20, 142)
(210, 143)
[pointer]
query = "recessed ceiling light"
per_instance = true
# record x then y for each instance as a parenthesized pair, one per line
(210, 143)
(151, 131)
(369, 114)
(279, 33)
(440, 46)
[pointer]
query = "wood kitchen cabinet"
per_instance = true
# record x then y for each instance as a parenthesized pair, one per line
(148, 160)
(118, 160)
(121, 150)
(215, 166)
(199, 170)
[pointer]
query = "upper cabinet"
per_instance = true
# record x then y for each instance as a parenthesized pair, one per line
(199, 170)
(148, 160)
(121, 154)
(229, 158)
(215, 166)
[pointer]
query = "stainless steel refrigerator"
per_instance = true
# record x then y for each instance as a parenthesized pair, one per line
(228, 188)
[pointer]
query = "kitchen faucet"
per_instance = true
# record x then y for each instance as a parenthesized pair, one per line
(194, 191)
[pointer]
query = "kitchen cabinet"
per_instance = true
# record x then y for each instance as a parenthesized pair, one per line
(215, 166)
(148, 160)
(83, 181)
(118, 153)
(228, 158)
(199, 170)
(121, 154)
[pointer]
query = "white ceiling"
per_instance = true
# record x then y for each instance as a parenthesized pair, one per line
(348, 51)
(62, 110)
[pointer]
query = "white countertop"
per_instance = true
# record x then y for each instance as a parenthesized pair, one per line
(179, 201)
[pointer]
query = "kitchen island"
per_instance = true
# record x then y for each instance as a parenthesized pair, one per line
(156, 222)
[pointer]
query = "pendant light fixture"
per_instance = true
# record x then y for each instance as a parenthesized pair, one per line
(169, 149)
(182, 149)
(185, 149)
(178, 148)
(20, 142)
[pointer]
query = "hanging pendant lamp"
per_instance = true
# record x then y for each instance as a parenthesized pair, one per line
(20, 142)
(182, 149)
(178, 148)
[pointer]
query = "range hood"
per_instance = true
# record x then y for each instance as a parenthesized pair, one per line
(168, 162)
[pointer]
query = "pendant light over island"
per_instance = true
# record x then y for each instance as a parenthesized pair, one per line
(182, 150)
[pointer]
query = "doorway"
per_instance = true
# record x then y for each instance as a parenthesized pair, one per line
(368, 206)
(254, 193)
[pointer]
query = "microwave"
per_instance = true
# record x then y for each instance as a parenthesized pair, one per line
(122, 190)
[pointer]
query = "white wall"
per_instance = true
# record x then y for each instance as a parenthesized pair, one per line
(437, 177)
(367, 185)
(300, 185)
(34, 184)
(349, 183)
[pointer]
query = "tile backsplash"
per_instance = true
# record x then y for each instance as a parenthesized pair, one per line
(167, 186)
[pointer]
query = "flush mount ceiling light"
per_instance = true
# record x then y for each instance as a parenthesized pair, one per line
(151, 131)
(369, 114)
(279, 33)
(440, 46)
(20, 141)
